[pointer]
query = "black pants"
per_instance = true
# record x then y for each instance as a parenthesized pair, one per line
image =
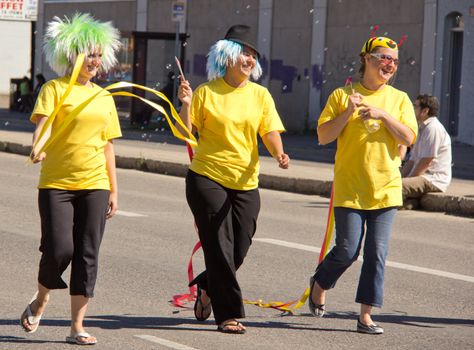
(72, 226)
(226, 221)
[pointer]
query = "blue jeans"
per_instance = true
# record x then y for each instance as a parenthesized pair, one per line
(349, 234)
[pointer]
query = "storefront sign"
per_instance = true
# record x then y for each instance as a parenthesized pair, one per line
(18, 10)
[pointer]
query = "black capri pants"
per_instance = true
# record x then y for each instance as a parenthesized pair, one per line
(226, 221)
(72, 226)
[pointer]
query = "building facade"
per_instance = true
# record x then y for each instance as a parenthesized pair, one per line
(15, 58)
(309, 47)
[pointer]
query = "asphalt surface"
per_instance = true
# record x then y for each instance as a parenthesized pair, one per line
(429, 285)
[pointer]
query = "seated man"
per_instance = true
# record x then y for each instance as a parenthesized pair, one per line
(428, 168)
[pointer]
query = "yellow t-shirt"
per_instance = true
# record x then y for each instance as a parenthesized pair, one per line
(366, 171)
(76, 159)
(228, 120)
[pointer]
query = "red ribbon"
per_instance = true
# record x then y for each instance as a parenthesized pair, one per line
(372, 34)
(402, 40)
(179, 300)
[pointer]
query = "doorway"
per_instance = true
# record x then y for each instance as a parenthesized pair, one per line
(154, 67)
(452, 70)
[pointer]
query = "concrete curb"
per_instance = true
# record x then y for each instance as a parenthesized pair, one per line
(435, 202)
(289, 184)
(152, 166)
(303, 186)
(463, 206)
(16, 148)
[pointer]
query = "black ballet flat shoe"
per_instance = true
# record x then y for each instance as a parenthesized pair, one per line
(317, 310)
(370, 329)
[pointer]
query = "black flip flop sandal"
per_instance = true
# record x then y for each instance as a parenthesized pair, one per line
(205, 310)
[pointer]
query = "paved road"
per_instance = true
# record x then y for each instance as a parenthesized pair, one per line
(429, 288)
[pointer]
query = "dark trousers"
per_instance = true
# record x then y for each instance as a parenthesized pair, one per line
(226, 221)
(72, 226)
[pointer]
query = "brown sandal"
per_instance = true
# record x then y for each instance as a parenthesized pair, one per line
(225, 327)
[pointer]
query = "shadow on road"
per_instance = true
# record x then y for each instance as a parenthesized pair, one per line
(404, 319)
(187, 324)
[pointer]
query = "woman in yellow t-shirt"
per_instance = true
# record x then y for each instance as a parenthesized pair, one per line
(222, 183)
(78, 185)
(369, 121)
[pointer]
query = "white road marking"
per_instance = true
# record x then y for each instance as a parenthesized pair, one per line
(129, 214)
(168, 343)
(388, 263)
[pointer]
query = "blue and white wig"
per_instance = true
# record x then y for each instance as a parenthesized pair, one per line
(226, 52)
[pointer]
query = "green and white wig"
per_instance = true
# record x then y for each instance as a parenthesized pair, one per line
(66, 38)
(221, 54)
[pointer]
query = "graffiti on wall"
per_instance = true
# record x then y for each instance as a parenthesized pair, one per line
(199, 65)
(286, 74)
(283, 73)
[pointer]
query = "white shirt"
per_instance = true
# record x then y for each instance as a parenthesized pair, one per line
(434, 141)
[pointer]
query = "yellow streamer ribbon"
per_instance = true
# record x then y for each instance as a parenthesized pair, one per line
(189, 138)
(288, 307)
(74, 75)
(279, 305)
(122, 84)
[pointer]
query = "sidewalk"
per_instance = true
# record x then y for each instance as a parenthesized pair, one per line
(311, 169)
